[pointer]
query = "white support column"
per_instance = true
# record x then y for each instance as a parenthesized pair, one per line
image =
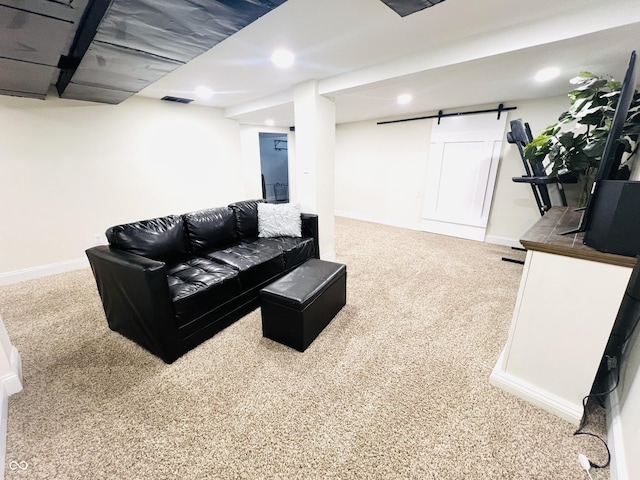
(315, 159)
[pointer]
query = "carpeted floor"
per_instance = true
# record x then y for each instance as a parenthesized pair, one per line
(396, 387)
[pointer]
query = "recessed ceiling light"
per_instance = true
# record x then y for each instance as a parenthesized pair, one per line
(203, 92)
(269, 122)
(404, 98)
(547, 74)
(283, 58)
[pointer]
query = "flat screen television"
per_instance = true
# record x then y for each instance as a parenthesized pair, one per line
(613, 149)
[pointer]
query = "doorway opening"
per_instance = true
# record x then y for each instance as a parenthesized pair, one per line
(274, 166)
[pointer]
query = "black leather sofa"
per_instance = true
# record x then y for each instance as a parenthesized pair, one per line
(170, 283)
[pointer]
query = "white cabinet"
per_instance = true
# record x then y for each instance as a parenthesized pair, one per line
(564, 313)
(10, 383)
(560, 327)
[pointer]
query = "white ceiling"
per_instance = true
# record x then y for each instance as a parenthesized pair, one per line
(454, 55)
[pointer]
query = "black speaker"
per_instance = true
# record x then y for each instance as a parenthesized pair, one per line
(614, 223)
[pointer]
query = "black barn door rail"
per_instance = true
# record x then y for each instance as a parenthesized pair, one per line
(501, 108)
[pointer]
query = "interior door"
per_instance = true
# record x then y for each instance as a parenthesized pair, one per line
(461, 172)
(274, 166)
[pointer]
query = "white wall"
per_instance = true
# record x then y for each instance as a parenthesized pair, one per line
(380, 172)
(71, 169)
(513, 208)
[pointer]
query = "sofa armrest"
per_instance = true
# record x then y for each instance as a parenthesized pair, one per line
(310, 229)
(136, 299)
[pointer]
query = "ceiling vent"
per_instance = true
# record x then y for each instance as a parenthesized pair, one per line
(407, 7)
(168, 98)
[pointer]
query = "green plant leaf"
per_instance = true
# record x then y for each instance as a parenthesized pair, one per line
(567, 116)
(594, 149)
(593, 118)
(593, 84)
(614, 85)
(611, 94)
(555, 152)
(566, 139)
(627, 144)
(576, 142)
(552, 130)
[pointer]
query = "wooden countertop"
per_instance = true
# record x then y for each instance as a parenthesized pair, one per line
(545, 236)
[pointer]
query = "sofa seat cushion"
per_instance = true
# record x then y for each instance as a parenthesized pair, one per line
(198, 285)
(296, 250)
(255, 263)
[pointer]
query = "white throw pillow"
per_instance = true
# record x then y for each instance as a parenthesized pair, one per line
(279, 220)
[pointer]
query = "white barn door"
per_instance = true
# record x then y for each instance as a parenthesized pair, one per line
(461, 173)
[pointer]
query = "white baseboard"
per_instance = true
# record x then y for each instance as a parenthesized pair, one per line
(470, 232)
(13, 382)
(540, 398)
(373, 219)
(16, 276)
(495, 239)
(615, 439)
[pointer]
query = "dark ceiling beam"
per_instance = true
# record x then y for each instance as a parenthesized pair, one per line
(122, 46)
(28, 62)
(85, 34)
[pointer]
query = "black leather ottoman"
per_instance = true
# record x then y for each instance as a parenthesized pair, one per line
(297, 307)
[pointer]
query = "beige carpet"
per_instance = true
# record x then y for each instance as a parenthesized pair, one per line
(396, 387)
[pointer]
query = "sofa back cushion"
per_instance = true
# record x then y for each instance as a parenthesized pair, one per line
(210, 229)
(159, 238)
(246, 214)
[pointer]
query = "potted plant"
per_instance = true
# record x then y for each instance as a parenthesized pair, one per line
(575, 143)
